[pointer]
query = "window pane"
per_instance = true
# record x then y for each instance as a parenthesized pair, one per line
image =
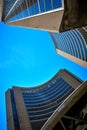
(57, 3)
(42, 5)
(36, 8)
(48, 5)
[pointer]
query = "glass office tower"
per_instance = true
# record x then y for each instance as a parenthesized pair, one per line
(26, 8)
(30, 108)
(34, 13)
(72, 45)
(50, 15)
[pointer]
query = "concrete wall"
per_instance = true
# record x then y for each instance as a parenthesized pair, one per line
(1, 8)
(72, 58)
(49, 21)
(72, 80)
(10, 121)
(21, 110)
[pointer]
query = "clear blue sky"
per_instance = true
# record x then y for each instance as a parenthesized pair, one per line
(28, 58)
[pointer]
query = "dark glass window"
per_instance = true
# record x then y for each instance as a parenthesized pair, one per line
(25, 13)
(41, 117)
(36, 8)
(57, 3)
(42, 112)
(32, 10)
(42, 5)
(48, 5)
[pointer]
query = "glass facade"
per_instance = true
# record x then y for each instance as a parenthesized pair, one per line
(73, 42)
(27, 8)
(42, 101)
(32, 107)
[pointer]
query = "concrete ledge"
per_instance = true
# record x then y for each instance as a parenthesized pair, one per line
(1, 8)
(72, 58)
(47, 21)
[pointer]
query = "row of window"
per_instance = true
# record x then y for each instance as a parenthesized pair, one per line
(42, 108)
(42, 111)
(27, 8)
(47, 103)
(57, 94)
(34, 95)
(40, 117)
(42, 87)
(72, 43)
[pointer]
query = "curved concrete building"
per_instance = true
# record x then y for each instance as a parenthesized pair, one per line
(72, 45)
(30, 108)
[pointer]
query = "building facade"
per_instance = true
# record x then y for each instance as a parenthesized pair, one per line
(34, 13)
(72, 45)
(50, 15)
(30, 108)
(72, 113)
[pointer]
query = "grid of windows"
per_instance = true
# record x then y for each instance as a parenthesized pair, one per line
(32, 107)
(26, 8)
(42, 101)
(72, 42)
(8, 4)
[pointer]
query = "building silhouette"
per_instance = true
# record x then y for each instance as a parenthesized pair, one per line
(72, 45)
(31, 108)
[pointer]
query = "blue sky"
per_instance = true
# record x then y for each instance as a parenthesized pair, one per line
(28, 58)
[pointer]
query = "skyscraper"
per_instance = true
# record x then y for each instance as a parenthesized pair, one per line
(72, 45)
(30, 108)
(34, 13)
(51, 15)
(72, 113)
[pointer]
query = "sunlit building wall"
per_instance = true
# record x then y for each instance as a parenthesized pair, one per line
(72, 45)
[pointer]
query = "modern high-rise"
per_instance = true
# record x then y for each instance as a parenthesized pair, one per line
(72, 113)
(72, 45)
(31, 108)
(51, 15)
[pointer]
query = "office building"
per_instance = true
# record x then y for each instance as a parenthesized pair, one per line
(34, 13)
(31, 108)
(72, 113)
(72, 45)
(50, 15)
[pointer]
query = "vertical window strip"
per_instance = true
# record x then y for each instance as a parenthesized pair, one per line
(34, 6)
(20, 5)
(39, 6)
(44, 6)
(76, 46)
(52, 4)
(82, 43)
(27, 7)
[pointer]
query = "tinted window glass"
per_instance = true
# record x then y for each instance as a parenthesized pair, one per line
(57, 3)
(48, 5)
(42, 5)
